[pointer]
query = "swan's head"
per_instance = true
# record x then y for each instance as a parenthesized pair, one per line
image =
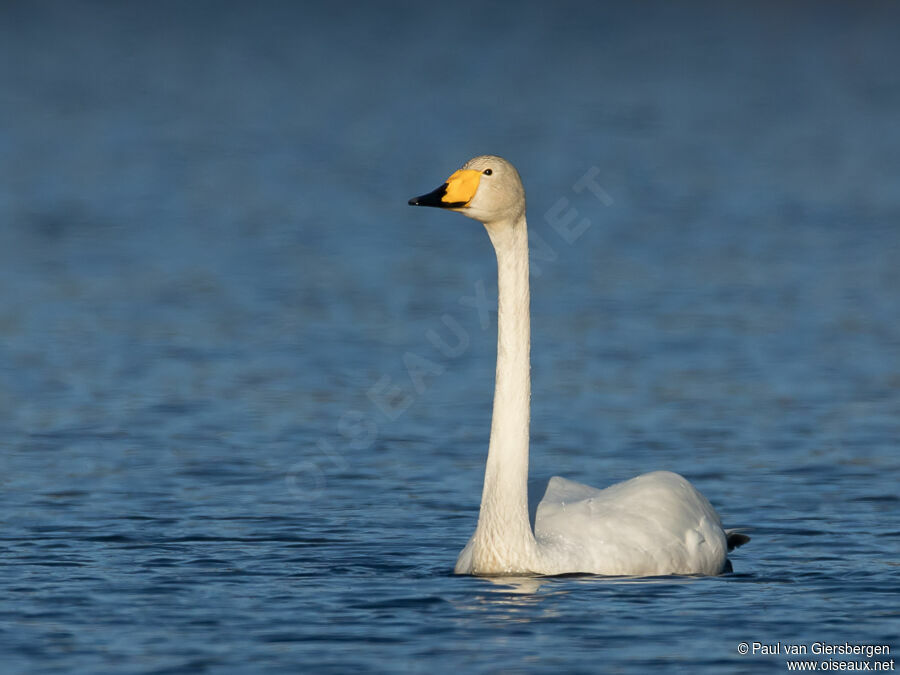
(486, 188)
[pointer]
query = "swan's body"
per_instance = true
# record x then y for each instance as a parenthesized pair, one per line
(655, 524)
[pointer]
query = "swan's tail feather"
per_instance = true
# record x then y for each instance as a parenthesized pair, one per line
(735, 539)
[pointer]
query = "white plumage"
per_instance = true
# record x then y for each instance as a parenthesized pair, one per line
(655, 524)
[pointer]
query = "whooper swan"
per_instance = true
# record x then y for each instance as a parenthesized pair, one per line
(655, 524)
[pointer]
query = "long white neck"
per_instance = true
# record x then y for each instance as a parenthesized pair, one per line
(503, 539)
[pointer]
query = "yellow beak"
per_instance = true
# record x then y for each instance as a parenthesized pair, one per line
(456, 193)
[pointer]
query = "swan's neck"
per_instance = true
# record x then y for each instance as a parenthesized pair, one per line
(503, 540)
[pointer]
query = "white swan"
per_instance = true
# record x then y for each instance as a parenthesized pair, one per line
(655, 524)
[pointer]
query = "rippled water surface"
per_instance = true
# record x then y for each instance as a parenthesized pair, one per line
(245, 390)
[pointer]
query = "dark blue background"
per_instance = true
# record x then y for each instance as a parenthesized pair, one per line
(212, 455)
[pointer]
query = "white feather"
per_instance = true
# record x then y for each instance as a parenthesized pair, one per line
(655, 524)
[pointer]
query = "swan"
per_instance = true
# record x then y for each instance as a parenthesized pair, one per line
(651, 525)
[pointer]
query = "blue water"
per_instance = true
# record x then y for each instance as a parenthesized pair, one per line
(212, 455)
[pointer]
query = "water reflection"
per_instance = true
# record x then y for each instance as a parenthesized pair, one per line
(517, 585)
(524, 599)
(515, 599)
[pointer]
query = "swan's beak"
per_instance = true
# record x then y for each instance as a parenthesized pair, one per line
(434, 198)
(456, 193)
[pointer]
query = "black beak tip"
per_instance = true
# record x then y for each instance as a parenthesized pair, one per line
(433, 198)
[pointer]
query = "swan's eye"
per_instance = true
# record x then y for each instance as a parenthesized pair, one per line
(487, 172)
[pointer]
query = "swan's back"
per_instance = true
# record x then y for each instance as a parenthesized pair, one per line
(655, 524)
